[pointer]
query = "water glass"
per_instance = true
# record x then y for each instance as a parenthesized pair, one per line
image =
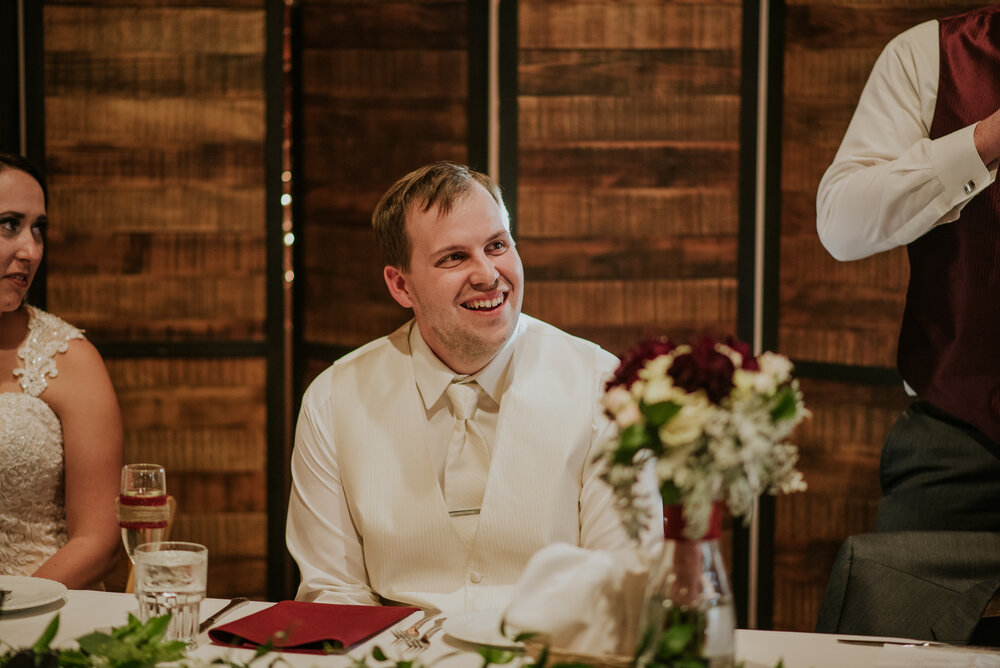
(170, 577)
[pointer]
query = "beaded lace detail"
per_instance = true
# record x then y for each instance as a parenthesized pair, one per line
(32, 502)
(47, 335)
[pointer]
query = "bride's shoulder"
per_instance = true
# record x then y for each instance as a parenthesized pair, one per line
(53, 341)
(44, 326)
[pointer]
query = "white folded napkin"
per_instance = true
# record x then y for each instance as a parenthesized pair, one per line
(584, 601)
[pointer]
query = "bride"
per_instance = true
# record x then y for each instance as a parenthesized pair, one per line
(60, 427)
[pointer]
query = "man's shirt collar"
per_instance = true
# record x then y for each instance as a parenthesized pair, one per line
(433, 376)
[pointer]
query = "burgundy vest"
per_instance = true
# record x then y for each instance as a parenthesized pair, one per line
(949, 343)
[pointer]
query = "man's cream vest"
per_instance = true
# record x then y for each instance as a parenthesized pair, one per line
(545, 434)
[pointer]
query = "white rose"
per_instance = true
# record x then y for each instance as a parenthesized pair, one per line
(628, 416)
(658, 391)
(687, 424)
(776, 366)
(656, 367)
(616, 400)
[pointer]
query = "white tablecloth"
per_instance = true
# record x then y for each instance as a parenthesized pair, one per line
(83, 611)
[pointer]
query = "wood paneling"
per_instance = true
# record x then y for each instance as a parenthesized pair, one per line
(154, 122)
(628, 119)
(155, 147)
(204, 420)
(832, 312)
(384, 91)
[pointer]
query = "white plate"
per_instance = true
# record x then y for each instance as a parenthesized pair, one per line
(27, 592)
(479, 628)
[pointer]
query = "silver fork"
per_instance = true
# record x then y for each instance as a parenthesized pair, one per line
(423, 642)
(413, 633)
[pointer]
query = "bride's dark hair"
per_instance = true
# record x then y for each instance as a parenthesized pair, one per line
(20, 163)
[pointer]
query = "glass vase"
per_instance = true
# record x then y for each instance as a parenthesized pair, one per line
(688, 605)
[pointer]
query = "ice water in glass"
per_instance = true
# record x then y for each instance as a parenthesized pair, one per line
(170, 577)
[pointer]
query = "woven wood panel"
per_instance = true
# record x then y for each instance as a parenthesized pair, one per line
(843, 313)
(204, 420)
(627, 166)
(154, 131)
(154, 135)
(384, 90)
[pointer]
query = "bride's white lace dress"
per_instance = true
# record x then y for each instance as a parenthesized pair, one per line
(32, 504)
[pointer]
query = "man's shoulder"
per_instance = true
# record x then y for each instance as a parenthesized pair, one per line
(536, 330)
(394, 344)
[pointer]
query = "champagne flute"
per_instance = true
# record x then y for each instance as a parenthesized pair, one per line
(143, 512)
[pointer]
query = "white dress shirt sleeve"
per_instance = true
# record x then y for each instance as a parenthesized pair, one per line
(321, 535)
(889, 184)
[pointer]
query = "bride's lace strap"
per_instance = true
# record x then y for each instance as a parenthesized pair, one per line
(47, 336)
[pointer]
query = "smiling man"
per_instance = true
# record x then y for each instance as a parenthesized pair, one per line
(430, 464)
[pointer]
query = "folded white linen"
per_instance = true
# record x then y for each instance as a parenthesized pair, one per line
(583, 601)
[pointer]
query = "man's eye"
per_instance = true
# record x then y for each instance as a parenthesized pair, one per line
(497, 246)
(10, 224)
(451, 259)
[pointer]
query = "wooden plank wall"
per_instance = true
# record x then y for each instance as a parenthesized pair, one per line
(837, 313)
(628, 122)
(384, 88)
(154, 134)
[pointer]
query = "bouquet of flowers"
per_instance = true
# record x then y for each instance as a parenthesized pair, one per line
(713, 420)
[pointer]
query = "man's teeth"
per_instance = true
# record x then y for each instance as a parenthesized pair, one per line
(484, 303)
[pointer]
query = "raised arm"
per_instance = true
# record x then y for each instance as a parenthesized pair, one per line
(320, 533)
(84, 399)
(889, 183)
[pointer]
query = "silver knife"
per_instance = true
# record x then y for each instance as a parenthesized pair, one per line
(882, 643)
(229, 607)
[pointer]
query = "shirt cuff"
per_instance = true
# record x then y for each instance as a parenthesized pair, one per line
(959, 167)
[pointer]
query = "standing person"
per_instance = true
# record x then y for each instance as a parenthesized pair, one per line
(916, 168)
(60, 428)
(401, 495)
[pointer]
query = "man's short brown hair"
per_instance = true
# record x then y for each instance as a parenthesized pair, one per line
(440, 184)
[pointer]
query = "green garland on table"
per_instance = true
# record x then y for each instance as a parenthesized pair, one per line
(134, 645)
(141, 645)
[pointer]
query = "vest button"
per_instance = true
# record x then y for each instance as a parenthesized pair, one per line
(475, 577)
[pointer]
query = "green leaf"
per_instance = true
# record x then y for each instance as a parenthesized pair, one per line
(634, 437)
(784, 407)
(676, 639)
(524, 636)
(495, 655)
(42, 644)
(660, 413)
(670, 494)
(378, 654)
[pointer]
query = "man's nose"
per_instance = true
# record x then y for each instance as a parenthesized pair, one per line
(484, 271)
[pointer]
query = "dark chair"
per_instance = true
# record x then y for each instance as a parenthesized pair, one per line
(927, 585)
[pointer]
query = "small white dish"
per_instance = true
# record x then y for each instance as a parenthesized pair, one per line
(28, 592)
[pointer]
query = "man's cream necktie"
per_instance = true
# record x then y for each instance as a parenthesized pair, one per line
(468, 462)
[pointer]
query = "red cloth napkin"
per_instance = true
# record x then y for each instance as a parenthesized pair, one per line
(308, 626)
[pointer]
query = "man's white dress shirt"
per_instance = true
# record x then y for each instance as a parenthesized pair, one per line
(367, 520)
(889, 184)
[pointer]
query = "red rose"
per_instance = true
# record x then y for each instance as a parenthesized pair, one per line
(636, 358)
(704, 368)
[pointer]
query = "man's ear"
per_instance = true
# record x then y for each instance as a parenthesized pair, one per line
(398, 288)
